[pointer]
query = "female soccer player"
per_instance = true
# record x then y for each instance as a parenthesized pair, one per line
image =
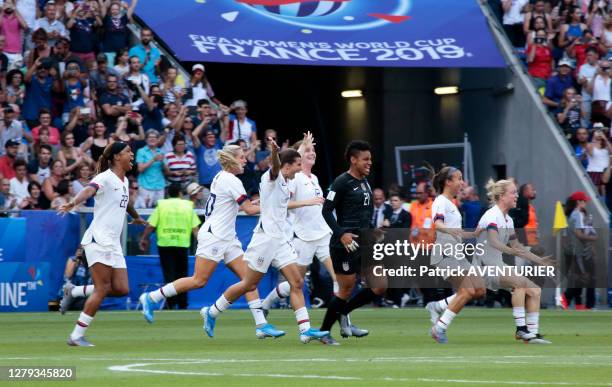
(311, 234)
(500, 238)
(217, 241)
(102, 239)
(447, 220)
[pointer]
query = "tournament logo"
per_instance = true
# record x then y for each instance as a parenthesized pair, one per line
(336, 15)
(260, 261)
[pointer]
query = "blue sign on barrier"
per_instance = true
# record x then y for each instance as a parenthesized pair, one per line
(12, 239)
(24, 286)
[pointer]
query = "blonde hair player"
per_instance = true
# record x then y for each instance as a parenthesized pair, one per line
(310, 233)
(500, 238)
(101, 241)
(217, 241)
(447, 220)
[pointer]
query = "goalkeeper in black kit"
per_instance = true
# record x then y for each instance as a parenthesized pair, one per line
(351, 197)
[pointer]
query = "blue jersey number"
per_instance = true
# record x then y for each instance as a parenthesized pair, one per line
(210, 205)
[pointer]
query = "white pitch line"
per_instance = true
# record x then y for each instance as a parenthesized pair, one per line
(512, 382)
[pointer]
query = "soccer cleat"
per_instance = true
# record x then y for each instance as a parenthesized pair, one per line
(268, 330)
(347, 329)
(312, 334)
(433, 313)
(329, 340)
(524, 335)
(438, 334)
(67, 299)
(80, 342)
(581, 307)
(147, 307)
(209, 321)
(539, 339)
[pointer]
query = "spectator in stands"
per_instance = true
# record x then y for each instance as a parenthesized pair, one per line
(44, 118)
(39, 169)
(580, 148)
(600, 89)
(513, 21)
(172, 92)
(239, 126)
(19, 183)
(99, 77)
(579, 47)
(64, 194)
(206, 156)
(76, 90)
(7, 200)
(200, 88)
(122, 62)
(150, 168)
(586, 73)
(10, 127)
(50, 186)
(211, 116)
(15, 88)
(8, 160)
(4, 61)
(151, 111)
(598, 14)
(471, 208)
(72, 156)
(606, 38)
(524, 216)
(556, 85)
(539, 23)
(538, 11)
(598, 153)
(540, 59)
(81, 24)
(79, 124)
(38, 90)
(572, 29)
(43, 139)
(569, 113)
(11, 25)
(51, 24)
(62, 55)
(180, 163)
(97, 142)
(41, 49)
(34, 190)
(115, 32)
(378, 215)
(148, 55)
(394, 215)
(137, 81)
(83, 177)
(113, 103)
(125, 133)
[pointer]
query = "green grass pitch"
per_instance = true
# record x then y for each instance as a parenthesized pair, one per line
(175, 352)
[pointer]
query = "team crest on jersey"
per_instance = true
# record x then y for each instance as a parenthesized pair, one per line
(124, 190)
(363, 187)
(260, 261)
(345, 266)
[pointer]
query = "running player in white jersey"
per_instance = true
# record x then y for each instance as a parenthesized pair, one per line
(217, 241)
(311, 234)
(501, 238)
(447, 220)
(270, 246)
(102, 239)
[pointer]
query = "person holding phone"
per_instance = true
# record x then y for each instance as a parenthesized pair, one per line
(540, 59)
(598, 154)
(599, 87)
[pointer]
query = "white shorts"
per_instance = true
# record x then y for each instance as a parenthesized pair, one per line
(150, 197)
(216, 249)
(265, 250)
(306, 250)
(107, 255)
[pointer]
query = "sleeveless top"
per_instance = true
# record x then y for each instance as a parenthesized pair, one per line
(96, 151)
(598, 161)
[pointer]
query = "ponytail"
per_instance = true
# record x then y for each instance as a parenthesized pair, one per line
(439, 180)
(106, 159)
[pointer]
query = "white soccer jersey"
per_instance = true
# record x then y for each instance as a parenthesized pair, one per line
(445, 210)
(494, 219)
(111, 202)
(308, 223)
(274, 199)
(226, 195)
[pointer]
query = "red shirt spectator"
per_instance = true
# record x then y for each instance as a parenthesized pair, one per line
(580, 46)
(45, 121)
(7, 161)
(539, 58)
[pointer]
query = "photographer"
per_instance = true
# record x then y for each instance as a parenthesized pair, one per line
(599, 87)
(569, 113)
(77, 282)
(540, 59)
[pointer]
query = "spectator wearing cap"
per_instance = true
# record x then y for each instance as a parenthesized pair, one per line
(148, 55)
(40, 79)
(8, 160)
(195, 193)
(11, 128)
(19, 183)
(556, 85)
(206, 155)
(7, 200)
(115, 28)
(539, 58)
(586, 73)
(199, 87)
(81, 24)
(11, 25)
(150, 170)
(44, 118)
(180, 163)
(239, 126)
(114, 103)
(599, 87)
(55, 28)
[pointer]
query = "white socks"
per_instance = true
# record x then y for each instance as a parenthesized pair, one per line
(445, 320)
(165, 291)
(82, 291)
(301, 315)
(443, 304)
(282, 290)
(81, 326)
(519, 315)
(219, 306)
(533, 322)
(258, 314)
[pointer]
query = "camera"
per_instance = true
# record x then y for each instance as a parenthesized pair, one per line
(539, 40)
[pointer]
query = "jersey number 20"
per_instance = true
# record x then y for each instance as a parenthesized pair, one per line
(210, 205)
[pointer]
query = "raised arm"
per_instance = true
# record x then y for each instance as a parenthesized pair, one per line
(275, 160)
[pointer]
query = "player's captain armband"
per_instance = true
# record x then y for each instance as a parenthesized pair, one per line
(331, 195)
